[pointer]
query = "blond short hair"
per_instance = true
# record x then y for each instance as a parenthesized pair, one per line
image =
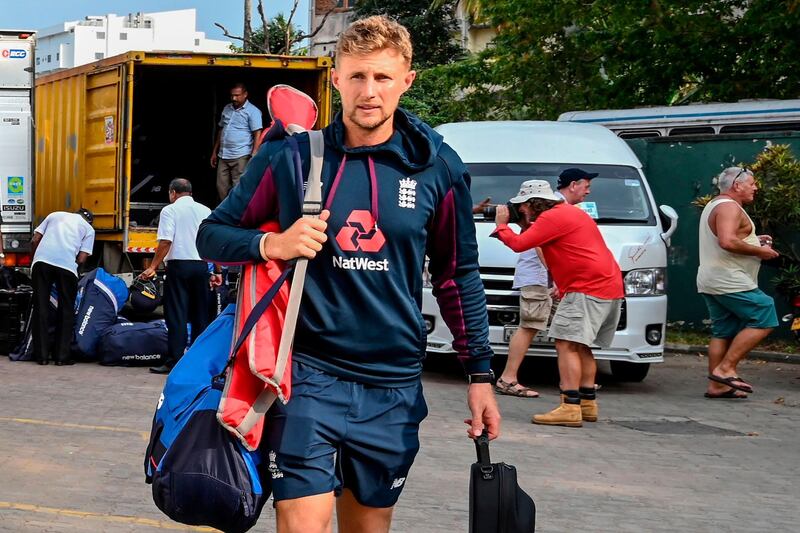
(373, 34)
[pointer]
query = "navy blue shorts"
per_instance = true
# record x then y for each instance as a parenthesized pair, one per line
(340, 434)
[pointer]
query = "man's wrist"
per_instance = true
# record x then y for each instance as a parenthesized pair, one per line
(474, 378)
(262, 246)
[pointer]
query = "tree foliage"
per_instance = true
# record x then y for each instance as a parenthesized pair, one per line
(432, 28)
(277, 29)
(550, 57)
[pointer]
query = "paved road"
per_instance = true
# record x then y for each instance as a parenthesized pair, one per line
(661, 458)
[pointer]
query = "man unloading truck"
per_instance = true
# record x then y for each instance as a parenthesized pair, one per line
(61, 243)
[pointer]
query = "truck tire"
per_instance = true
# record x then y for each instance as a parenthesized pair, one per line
(627, 371)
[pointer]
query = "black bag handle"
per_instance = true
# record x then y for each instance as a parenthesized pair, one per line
(482, 450)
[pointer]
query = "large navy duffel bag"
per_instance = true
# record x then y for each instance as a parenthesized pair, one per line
(129, 343)
(201, 474)
(100, 298)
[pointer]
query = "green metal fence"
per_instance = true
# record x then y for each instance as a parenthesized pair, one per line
(679, 170)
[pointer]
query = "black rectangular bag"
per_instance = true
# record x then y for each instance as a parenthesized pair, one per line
(497, 504)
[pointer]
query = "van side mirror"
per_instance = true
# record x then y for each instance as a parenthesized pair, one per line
(669, 214)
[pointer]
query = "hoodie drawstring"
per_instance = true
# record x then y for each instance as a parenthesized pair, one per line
(373, 187)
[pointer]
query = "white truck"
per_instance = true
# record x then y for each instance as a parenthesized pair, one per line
(17, 49)
(499, 157)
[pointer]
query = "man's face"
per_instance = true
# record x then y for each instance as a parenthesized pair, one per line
(371, 86)
(238, 96)
(746, 188)
(580, 189)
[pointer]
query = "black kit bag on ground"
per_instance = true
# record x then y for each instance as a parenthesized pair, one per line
(497, 504)
(15, 305)
(24, 350)
(144, 296)
(134, 344)
(100, 298)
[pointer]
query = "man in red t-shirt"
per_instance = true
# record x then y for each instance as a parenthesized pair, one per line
(590, 285)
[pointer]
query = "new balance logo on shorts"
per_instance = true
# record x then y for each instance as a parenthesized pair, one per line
(274, 471)
(397, 483)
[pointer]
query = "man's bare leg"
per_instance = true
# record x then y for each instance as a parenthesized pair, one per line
(310, 514)
(740, 346)
(356, 518)
(716, 352)
(517, 348)
(588, 367)
(568, 413)
(569, 364)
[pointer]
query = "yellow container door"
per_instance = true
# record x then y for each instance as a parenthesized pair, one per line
(103, 133)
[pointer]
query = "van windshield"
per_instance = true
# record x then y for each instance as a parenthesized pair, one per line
(618, 195)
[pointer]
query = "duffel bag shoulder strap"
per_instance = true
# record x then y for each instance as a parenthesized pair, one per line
(252, 320)
(312, 207)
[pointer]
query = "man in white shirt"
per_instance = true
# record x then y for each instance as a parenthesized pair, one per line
(186, 284)
(60, 244)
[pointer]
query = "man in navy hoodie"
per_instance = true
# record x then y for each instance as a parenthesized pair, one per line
(393, 192)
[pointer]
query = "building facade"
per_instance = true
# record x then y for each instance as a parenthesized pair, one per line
(79, 42)
(324, 42)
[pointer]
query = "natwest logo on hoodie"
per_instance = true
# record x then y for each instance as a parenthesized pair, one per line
(360, 233)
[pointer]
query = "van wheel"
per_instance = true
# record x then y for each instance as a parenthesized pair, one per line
(627, 371)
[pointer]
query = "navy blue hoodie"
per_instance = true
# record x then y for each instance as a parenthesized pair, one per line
(391, 205)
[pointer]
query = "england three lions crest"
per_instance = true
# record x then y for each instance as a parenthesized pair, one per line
(407, 196)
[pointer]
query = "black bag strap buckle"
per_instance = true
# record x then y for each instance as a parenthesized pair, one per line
(311, 208)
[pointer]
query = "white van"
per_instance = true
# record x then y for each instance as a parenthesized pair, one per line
(500, 156)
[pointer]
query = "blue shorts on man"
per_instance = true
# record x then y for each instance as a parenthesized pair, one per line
(337, 434)
(731, 313)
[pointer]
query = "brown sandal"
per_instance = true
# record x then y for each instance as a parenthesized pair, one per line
(510, 389)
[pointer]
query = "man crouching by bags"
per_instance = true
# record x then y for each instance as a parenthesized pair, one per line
(590, 283)
(393, 192)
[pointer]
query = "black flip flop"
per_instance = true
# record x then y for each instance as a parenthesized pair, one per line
(729, 394)
(731, 382)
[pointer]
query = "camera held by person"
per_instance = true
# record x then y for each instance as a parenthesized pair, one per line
(490, 211)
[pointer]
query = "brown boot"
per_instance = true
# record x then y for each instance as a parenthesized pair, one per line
(589, 410)
(566, 414)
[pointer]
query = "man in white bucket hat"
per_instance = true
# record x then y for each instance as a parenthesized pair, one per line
(590, 285)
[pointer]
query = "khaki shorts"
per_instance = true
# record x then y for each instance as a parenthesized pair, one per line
(585, 319)
(534, 307)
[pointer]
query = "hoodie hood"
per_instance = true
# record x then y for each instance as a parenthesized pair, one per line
(414, 144)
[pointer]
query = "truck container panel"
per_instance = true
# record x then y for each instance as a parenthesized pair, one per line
(17, 54)
(113, 134)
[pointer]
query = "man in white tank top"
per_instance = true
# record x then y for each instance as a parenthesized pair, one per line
(730, 257)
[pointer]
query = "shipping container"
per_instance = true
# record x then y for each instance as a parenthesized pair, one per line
(17, 49)
(112, 134)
